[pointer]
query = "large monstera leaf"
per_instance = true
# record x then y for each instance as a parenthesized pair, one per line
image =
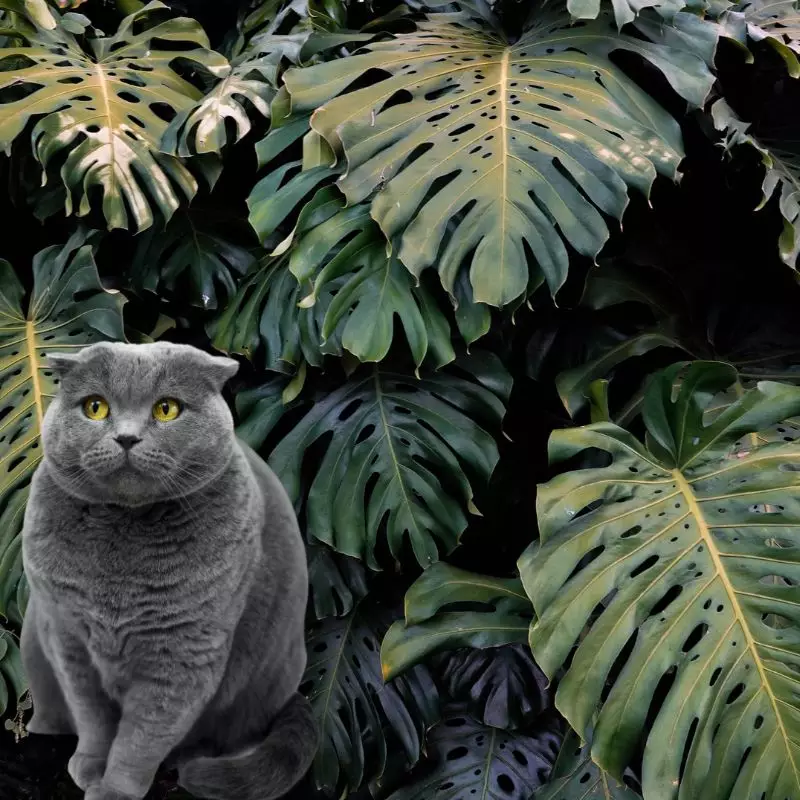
(67, 309)
(673, 572)
(355, 710)
(479, 153)
(101, 111)
(466, 759)
(400, 457)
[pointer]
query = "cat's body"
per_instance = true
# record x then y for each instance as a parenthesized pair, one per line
(165, 622)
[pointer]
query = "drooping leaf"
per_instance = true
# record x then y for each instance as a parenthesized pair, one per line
(265, 315)
(13, 683)
(775, 21)
(432, 624)
(67, 309)
(475, 185)
(189, 255)
(403, 453)
(625, 11)
(661, 566)
(106, 125)
(249, 87)
(336, 582)
(468, 759)
(574, 384)
(781, 160)
(203, 128)
(371, 289)
(11, 555)
(259, 409)
(282, 191)
(502, 686)
(348, 291)
(352, 704)
(576, 777)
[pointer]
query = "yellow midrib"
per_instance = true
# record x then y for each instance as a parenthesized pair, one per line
(30, 340)
(504, 190)
(103, 81)
(705, 533)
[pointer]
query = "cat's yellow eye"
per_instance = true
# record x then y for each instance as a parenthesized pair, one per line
(166, 409)
(95, 407)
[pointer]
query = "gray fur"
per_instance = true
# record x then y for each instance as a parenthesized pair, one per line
(168, 593)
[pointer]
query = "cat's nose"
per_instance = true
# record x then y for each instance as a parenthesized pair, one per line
(126, 440)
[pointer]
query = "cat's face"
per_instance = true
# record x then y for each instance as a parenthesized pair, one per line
(137, 423)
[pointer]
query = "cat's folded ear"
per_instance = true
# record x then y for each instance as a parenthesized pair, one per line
(219, 369)
(62, 363)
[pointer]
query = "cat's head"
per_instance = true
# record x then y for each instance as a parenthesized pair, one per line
(133, 424)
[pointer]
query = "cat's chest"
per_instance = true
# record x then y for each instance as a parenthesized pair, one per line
(131, 573)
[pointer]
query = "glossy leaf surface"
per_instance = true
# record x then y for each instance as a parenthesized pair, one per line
(673, 546)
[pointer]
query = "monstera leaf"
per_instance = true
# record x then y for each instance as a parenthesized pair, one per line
(67, 308)
(478, 152)
(399, 453)
(436, 619)
(467, 759)
(336, 582)
(672, 573)
(12, 584)
(345, 257)
(249, 87)
(354, 709)
(103, 111)
(576, 777)
(625, 11)
(265, 313)
(12, 677)
(502, 686)
(781, 160)
(203, 128)
(775, 21)
(190, 255)
(259, 409)
(342, 291)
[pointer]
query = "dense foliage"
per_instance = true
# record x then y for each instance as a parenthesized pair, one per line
(460, 249)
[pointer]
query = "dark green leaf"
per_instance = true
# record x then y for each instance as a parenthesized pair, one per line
(352, 704)
(502, 686)
(337, 582)
(402, 452)
(192, 255)
(466, 759)
(502, 615)
(576, 777)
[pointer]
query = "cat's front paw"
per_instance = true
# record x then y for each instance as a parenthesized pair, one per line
(100, 792)
(86, 770)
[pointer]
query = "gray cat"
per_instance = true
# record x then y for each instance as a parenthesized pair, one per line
(168, 583)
